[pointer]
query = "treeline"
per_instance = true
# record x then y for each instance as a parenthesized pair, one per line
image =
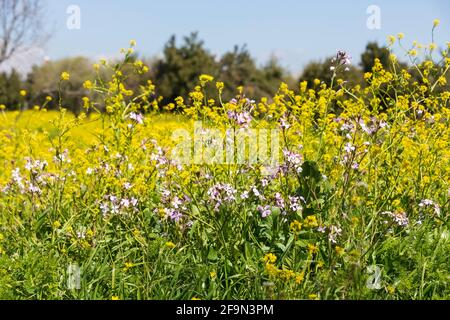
(175, 74)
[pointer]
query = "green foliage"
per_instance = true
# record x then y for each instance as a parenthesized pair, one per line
(10, 86)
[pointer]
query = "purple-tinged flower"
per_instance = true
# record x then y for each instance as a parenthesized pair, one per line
(349, 147)
(137, 117)
(279, 201)
(399, 218)
(430, 203)
(284, 124)
(334, 233)
(173, 214)
(322, 229)
(265, 211)
(343, 58)
(244, 195)
(294, 203)
(221, 193)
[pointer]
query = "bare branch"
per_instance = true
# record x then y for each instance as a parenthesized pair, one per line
(21, 26)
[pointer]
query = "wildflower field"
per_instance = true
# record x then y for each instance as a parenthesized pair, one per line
(322, 191)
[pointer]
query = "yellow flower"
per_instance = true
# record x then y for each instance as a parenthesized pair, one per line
(436, 22)
(339, 250)
(48, 98)
(213, 274)
(195, 298)
(23, 93)
(311, 221)
(2, 107)
(65, 76)
(390, 289)
(56, 224)
(270, 258)
(220, 85)
(132, 43)
(312, 248)
(299, 278)
(204, 78)
(412, 53)
(401, 35)
(312, 296)
(128, 265)
(115, 298)
(87, 84)
(170, 244)
(296, 226)
(391, 40)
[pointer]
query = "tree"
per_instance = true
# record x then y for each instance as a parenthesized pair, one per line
(44, 81)
(177, 73)
(10, 86)
(238, 68)
(374, 51)
(20, 26)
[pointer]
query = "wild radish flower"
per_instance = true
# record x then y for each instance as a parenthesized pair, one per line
(221, 193)
(125, 203)
(62, 157)
(114, 205)
(173, 214)
(334, 233)
(265, 211)
(244, 195)
(137, 117)
(81, 234)
(292, 160)
(165, 195)
(17, 178)
(33, 189)
(284, 124)
(279, 201)
(89, 171)
(430, 203)
(35, 166)
(342, 58)
(127, 186)
(349, 147)
(294, 203)
(243, 119)
(398, 217)
(176, 202)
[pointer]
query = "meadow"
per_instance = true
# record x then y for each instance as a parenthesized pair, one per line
(98, 206)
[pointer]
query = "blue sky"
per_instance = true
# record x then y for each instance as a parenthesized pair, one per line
(295, 31)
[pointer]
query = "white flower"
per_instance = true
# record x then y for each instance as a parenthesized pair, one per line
(127, 185)
(139, 118)
(349, 147)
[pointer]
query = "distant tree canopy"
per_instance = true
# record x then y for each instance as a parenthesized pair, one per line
(177, 72)
(44, 81)
(10, 86)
